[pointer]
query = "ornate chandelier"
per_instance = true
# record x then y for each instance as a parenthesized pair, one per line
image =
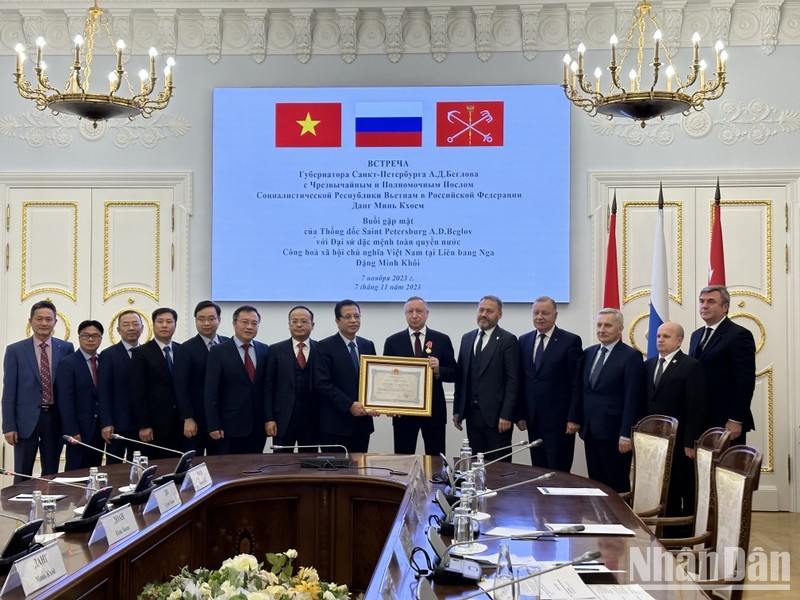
(632, 102)
(77, 99)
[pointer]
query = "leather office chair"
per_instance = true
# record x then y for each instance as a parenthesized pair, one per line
(653, 440)
(707, 450)
(735, 479)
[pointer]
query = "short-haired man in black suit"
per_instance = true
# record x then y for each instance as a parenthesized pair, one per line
(488, 380)
(420, 341)
(152, 389)
(190, 377)
(291, 406)
(550, 387)
(344, 420)
(728, 354)
(116, 413)
(234, 388)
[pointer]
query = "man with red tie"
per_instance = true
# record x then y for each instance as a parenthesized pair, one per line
(78, 398)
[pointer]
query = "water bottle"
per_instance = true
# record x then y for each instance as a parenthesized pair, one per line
(505, 574)
(465, 456)
(480, 473)
(37, 511)
(135, 471)
(49, 516)
(469, 497)
(462, 526)
(91, 484)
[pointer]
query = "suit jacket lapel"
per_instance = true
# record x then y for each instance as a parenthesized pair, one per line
(488, 350)
(30, 353)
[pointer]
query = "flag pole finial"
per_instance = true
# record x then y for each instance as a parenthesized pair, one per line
(660, 197)
(717, 195)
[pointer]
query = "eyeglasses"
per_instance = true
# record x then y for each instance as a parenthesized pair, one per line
(246, 323)
(350, 317)
(299, 322)
(90, 336)
(205, 319)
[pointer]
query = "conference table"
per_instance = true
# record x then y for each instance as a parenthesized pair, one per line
(357, 526)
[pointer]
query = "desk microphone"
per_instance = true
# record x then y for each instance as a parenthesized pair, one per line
(549, 475)
(72, 440)
(15, 474)
(116, 436)
(514, 445)
(320, 462)
(533, 444)
(585, 557)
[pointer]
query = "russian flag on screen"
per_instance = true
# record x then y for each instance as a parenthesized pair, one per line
(384, 124)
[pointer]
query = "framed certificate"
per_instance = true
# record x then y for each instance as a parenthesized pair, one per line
(396, 386)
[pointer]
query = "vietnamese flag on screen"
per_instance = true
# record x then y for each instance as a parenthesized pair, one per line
(388, 124)
(308, 124)
(469, 123)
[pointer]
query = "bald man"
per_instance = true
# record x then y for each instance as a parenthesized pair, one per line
(676, 387)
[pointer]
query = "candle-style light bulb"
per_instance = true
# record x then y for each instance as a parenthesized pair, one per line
(574, 68)
(719, 47)
(632, 76)
(567, 62)
(120, 48)
(581, 52)
(657, 38)
(153, 53)
(703, 67)
(613, 41)
(112, 82)
(20, 50)
(39, 45)
(723, 58)
(168, 77)
(597, 74)
(695, 46)
(670, 75)
(143, 81)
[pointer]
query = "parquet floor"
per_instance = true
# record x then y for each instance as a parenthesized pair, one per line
(778, 532)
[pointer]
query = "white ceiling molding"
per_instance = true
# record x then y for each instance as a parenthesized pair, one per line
(351, 27)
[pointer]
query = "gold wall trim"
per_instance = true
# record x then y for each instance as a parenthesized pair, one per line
(761, 329)
(631, 329)
(145, 319)
(678, 295)
(23, 294)
(770, 466)
(768, 204)
(136, 290)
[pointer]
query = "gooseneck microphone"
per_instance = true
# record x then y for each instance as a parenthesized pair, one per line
(71, 440)
(532, 444)
(514, 445)
(50, 481)
(549, 475)
(117, 436)
(320, 462)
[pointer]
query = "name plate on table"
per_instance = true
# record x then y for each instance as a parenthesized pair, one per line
(36, 570)
(164, 498)
(197, 477)
(115, 525)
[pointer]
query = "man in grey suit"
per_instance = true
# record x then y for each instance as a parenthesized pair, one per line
(488, 380)
(291, 407)
(30, 416)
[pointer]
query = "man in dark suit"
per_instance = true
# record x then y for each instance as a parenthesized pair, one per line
(676, 387)
(728, 354)
(291, 406)
(190, 377)
(116, 413)
(78, 398)
(30, 416)
(613, 402)
(152, 389)
(422, 342)
(344, 420)
(488, 380)
(234, 387)
(550, 390)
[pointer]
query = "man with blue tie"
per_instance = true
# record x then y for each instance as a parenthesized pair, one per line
(234, 387)
(116, 414)
(613, 402)
(31, 422)
(344, 421)
(190, 377)
(291, 406)
(78, 398)
(550, 387)
(152, 389)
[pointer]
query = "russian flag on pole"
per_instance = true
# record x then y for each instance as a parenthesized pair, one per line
(659, 288)
(388, 124)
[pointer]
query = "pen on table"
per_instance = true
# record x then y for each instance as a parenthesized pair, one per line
(509, 474)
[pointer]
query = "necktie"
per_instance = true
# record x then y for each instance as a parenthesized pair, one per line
(93, 359)
(353, 355)
(598, 366)
(417, 345)
(248, 363)
(211, 343)
(168, 355)
(479, 345)
(701, 346)
(301, 358)
(539, 355)
(44, 373)
(659, 371)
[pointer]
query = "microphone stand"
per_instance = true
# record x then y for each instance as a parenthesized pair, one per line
(73, 441)
(514, 445)
(117, 436)
(48, 481)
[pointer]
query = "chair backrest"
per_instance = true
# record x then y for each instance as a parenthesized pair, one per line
(653, 444)
(735, 478)
(707, 450)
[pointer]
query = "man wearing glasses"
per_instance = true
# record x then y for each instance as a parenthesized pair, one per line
(344, 421)
(78, 398)
(190, 377)
(291, 408)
